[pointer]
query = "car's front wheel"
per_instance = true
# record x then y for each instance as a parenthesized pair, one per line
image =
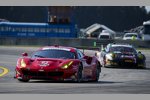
(23, 79)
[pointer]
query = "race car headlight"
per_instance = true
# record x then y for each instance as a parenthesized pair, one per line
(110, 56)
(67, 65)
(22, 63)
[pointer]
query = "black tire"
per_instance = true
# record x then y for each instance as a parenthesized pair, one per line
(144, 67)
(79, 74)
(141, 67)
(103, 64)
(104, 59)
(24, 80)
(98, 70)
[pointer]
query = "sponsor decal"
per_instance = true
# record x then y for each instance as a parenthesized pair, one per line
(44, 63)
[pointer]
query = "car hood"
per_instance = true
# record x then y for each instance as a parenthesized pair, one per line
(125, 54)
(49, 62)
(129, 38)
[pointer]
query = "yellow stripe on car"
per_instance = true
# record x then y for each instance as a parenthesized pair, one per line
(4, 71)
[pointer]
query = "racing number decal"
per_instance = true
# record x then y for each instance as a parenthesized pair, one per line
(87, 71)
(4, 71)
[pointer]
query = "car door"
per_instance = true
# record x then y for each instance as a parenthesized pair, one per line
(87, 67)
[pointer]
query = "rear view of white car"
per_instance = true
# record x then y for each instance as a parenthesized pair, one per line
(131, 36)
(105, 36)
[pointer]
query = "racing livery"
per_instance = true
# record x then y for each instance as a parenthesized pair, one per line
(121, 55)
(58, 63)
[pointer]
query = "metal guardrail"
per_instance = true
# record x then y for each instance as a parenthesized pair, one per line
(98, 43)
(74, 42)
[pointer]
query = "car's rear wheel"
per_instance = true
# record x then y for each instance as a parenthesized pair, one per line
(144, 65)
(79, 73)
(98, 70)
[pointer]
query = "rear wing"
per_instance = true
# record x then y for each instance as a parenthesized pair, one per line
(89, 48)
(95, 47)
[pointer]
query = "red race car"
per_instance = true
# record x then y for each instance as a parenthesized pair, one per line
(58, 63)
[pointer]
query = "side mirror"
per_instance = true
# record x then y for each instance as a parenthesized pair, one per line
(88, 59)
(85, 57)
(24, 54)
(139, 52)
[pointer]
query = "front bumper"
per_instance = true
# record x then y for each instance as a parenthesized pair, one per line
(55, 74)
(123, 63)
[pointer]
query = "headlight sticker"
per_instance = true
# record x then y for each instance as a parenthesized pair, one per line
(67, 65)
(23, 64)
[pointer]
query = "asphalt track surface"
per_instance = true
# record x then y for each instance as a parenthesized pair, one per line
(111, 81)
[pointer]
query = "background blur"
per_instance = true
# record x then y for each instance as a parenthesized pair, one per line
(118, 18)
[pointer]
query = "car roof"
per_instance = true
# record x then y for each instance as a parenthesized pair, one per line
(104, 33)
(121, 45)
(131, 33)
(57, 47)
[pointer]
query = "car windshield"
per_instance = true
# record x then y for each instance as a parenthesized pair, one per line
(62, 54)
(104, 37)
(122, 49)
(146, 29)
(130, 35)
